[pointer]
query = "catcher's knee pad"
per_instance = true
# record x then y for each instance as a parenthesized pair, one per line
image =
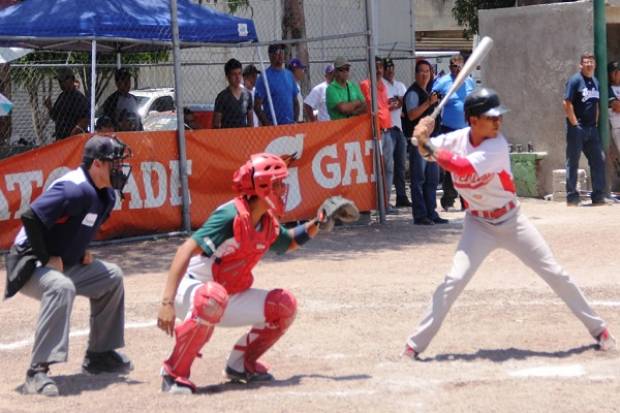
(280, 310)
(210, 301)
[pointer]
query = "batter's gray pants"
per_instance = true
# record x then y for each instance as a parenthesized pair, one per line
(518, 236)
(102, 283)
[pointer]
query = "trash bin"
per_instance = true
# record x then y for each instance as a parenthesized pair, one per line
(526, 171)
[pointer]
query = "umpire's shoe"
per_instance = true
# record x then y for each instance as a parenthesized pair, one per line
(38, 382)
(246, 377)
(106, 362)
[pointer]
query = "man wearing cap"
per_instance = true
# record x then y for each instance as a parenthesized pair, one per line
(71, 111)
(49, 262)
(385, 124)
(315, 101)
(343, 97)
(122, 104)
(299, 70)
(250, 73)
(613, 69)
(581, 98)
(395, 93)
(282, 88)
(233, 105)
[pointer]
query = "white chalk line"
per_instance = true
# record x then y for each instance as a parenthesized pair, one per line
(319, 306)
(78, 333)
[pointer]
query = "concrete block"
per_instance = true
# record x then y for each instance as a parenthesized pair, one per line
(559, 181)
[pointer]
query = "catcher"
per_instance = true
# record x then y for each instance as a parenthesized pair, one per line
(210, 278)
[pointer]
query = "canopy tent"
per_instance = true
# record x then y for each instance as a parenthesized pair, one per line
(117, 25)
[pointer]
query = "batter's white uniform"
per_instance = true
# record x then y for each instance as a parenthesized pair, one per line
(492, 220)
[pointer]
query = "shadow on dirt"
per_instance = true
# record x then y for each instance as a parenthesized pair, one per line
(501, 355)
(76, 384)
(291, 381)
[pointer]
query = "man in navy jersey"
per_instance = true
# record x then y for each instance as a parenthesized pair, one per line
(49, 262)
(581, 99)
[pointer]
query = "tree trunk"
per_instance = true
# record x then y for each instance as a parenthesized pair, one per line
(294, 27)
(5, 89)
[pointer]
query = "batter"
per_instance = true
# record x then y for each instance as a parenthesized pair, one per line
(477, 157)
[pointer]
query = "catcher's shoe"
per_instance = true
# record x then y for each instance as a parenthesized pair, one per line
(177, 385)
(410, 353)
(606, 341)
(106, 362)
(261, 375)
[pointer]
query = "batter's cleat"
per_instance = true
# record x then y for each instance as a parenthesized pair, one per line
(410, 353)
(246, 377)
(176, 386)
(606, 341)
(106, 362)
(38, 382)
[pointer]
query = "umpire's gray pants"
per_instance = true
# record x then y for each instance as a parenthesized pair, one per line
(517, 235)
(100, 281)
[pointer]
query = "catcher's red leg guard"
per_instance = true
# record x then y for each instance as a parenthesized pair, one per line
(210, 301)
(280, 310)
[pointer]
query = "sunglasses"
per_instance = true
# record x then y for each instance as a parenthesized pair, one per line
(343, 69)
(492, 118)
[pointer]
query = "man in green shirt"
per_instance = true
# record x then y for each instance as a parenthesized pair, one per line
(344, 98)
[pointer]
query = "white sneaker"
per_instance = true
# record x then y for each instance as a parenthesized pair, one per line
(606, 341)
(410, 353)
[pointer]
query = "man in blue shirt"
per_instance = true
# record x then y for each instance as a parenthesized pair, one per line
(283, 91)
(452, 116)
(581, 98)
(49, 262)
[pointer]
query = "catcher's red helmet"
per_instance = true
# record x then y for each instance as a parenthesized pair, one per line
(258, 176)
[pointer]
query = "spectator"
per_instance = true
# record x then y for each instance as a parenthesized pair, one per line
(344, 98)
(233, 105)
(189, 118)
(581, 98)
(385, 124)
(104, 125)
(299, 70)
(395, 92)
(452, 117)
(71, 111)
(315, 101)
(418, 103)
(50, 262)
(283, 91)
(250, 73)
(121, 102)
(614, 101)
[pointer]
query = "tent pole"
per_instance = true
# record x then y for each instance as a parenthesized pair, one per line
(93, 83)
(264, 76)
(178, 96)
(118, 60)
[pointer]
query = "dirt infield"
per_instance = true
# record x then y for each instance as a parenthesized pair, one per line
(509, 343)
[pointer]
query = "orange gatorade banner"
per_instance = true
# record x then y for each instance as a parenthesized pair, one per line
(332, 158)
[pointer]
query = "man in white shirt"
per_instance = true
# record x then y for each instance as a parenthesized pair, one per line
(315, 101)
(395, 92)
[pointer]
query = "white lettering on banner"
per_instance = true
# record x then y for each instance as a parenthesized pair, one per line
(24, 182)
(333, 180)
(175, 183)
(354, 162)
(152, 201)
(4, 208)
(288, 145)
(368, 145)
(55, 174)
(131, 189)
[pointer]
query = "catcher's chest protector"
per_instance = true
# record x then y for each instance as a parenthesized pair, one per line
(234, 271)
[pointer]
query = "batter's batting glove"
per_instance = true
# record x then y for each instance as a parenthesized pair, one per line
(336, 207)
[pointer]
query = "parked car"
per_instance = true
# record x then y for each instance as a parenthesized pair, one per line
(154, 100)
(198, 116)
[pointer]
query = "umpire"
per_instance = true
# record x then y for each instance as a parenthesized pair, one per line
(49, 262)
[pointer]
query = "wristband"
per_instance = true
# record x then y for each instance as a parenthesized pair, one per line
(300, 234)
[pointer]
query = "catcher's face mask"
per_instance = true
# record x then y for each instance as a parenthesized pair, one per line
(276, 198)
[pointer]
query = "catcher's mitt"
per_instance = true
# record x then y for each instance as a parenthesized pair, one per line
(336, 207)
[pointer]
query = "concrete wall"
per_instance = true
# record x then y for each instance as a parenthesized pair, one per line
(435, 15)
(536, 49)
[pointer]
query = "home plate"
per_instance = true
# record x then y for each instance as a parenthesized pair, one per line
(572, 370)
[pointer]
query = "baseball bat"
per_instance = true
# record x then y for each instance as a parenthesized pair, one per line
(477, 55)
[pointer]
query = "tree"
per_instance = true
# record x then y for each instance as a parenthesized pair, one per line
(466, 12)
(294, 27)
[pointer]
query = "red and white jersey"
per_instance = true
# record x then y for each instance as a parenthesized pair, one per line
(486, 183)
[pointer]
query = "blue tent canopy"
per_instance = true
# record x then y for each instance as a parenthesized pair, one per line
(117, 25)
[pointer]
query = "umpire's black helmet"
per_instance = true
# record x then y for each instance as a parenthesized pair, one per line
(104, 148)
(483, 101)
